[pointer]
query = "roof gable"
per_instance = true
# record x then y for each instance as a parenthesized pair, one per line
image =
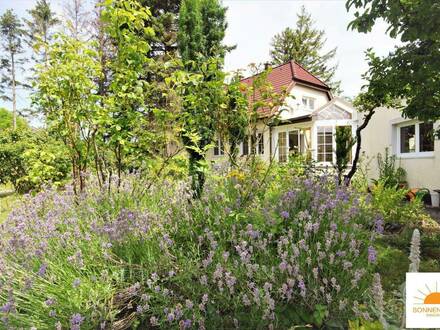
(284, 77)
(335, 109)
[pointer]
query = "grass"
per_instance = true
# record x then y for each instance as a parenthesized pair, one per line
(6, 202)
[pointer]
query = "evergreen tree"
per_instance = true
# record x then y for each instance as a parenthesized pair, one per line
(190, 37)
(42, 20)
(164, 18)
(304, 44)
(11, 34)
(202, 25)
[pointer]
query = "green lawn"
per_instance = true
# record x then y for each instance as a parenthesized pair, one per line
(6, 202)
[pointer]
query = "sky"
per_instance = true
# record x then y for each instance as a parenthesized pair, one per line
(253, 23)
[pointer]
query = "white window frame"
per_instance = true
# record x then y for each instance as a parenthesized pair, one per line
(417, 153)
(249, 144)
(334, 123)
(220, 146)
(308, 100)
(257, 147)
(333, 131)
(287, 131)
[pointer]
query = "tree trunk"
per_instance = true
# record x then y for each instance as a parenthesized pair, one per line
(353, 170)
(14, 94)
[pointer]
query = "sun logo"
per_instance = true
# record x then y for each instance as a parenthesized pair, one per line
(432, 297)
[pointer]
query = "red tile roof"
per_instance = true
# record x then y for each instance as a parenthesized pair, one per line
(285, 76)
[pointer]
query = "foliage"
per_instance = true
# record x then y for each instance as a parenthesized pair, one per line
(344, 146)
(373, 96)
(6, 120)
(137, 123)
(297, 254)
(164, 19)
(304, 45)
(415, 24)
(11, 35)
(39, 28)
(389, 175)
(202, 25)
(30, 159)
(65, 91)
(391, 203)
(233, 119)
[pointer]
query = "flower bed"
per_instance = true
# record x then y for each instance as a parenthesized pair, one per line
(239, 257)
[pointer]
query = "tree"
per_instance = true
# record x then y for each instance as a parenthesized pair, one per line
(164, 15)
(39, 27)
(140, 111)
(11, 33)
(6, 120)
(202, 25)
(374, 95)
(413, 68)
(77, 18)
(344, 145)
(304, 44)
(65, 91)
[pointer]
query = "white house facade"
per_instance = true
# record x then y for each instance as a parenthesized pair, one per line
(412, 141)
(306, 124)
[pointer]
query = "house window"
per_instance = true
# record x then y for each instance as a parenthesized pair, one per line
(416, 138)
(426, 134)
(294, 142)
(219, 148)
(325, 144)
(308, 102)
(282, 147)
(260, 139)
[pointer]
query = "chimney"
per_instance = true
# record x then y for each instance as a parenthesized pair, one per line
(267, 66)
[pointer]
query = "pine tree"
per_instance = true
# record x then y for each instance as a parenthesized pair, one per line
(11, 34)
(304, 44)
(164, 18)
(39, 27)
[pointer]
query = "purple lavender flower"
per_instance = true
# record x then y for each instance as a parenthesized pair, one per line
(284, 214)
(76, 319)
(186, 324)
(170, 317)
(42, 270)
(371, 254)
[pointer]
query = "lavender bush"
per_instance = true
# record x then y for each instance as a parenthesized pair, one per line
(245, 255)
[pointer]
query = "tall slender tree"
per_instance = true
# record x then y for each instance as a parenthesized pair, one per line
(11, 34)
(39, 28)
(77, 17)
(164, 18)
(304, 44)
(202, 25)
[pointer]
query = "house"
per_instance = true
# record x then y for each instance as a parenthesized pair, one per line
(306, 124)
(412, 141)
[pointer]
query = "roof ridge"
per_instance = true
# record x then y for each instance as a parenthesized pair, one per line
(272, 68)
(311, 74)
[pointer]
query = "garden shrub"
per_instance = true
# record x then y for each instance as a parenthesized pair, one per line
(302, 254)
(391, 203)
(30, 159)
(389, 174)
